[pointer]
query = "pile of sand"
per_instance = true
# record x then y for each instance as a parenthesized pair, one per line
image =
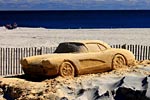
(124, 84)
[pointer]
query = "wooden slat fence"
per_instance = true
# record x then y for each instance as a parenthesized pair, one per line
(141, 52)
(10, 57)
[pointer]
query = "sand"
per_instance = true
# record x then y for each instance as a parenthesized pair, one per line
(35, 37)
(124, 84)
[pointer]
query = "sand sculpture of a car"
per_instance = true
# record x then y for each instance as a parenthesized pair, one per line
(76, 58)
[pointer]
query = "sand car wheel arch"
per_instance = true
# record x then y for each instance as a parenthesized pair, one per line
(119, 61)
(67, 69)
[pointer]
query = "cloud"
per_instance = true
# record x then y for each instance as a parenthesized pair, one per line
(75, 4)
(60, 1)
(69, 1)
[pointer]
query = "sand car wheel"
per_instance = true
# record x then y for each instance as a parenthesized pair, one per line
(67, 69)
(118, 62)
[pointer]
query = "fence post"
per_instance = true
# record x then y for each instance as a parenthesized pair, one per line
(149, 52)
(1, 68)
(39, 51)
(136, 52)
(141, 52)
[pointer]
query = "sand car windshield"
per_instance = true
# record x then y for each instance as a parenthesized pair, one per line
(71, 48)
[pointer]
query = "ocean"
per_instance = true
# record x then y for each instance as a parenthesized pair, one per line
(78, 19)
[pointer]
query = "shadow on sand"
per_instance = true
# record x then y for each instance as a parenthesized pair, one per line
(31, 78)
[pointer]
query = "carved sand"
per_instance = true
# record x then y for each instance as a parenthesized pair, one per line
(130, 83)
(76, 58)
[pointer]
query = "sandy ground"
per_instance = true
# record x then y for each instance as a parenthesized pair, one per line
(31, 37)
(124, 84)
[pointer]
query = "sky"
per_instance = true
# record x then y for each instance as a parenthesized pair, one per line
(74, 4)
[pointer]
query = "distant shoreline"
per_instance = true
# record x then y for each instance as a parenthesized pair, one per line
(75, 28)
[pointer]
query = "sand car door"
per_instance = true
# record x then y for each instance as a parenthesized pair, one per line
(92, 63)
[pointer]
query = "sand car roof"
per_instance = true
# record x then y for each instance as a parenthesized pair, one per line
(88, 41)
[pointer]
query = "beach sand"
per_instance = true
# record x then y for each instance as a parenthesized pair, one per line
(123, 84)
(37, 37)
(127, 84)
